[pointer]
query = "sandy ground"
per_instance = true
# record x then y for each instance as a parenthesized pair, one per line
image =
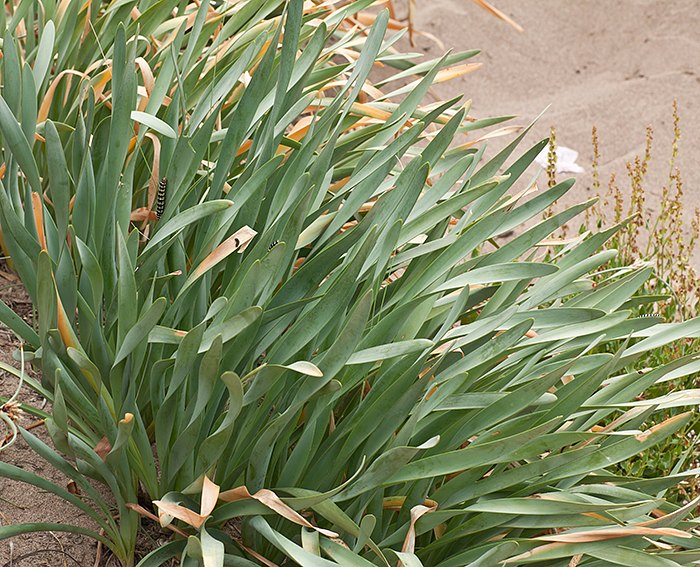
(614, 65)
(20, 502)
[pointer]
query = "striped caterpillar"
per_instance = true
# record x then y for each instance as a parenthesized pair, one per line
(273, 244)
(160, 197)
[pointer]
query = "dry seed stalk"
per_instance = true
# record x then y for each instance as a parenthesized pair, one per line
(668, 246)
(598, 209)
(552, 159)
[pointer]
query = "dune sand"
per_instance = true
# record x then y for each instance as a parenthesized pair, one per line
(614, 65)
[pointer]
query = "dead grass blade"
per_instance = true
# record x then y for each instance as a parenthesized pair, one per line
(274, 502)
(499, 14)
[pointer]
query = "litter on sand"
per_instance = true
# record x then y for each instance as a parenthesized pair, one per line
(566, 160)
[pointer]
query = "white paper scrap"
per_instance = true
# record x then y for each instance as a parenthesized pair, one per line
(566, 160)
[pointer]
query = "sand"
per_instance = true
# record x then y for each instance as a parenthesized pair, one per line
(614, 65)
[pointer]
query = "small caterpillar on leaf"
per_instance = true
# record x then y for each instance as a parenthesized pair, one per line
(160, 197)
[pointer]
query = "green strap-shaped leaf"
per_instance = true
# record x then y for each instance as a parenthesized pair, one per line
(187, 218)
(288, 547)
(212, 549)
(44, 54)
(164, 553)
(18, 325)
(392, 350)
(631, 557)
(499, 273)
(383, 468)
(59, 180)
(461, 459)
(19, 146)
(13, 530)
(154, 123)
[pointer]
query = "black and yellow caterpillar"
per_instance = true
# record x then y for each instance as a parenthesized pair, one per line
(161, 197)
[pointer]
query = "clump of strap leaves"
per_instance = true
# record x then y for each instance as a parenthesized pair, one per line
(273, 314)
